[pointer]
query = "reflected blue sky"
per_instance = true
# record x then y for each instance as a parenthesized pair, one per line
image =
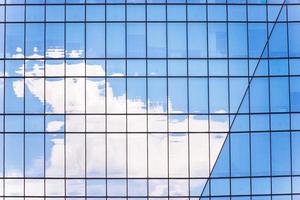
(86, 102)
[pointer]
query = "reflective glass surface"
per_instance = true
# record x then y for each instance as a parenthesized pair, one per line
(150, 99)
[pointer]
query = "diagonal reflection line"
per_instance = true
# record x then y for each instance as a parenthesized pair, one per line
(246, 91)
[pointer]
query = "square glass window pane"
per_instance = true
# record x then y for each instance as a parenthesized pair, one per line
(257, 38)
(197, 40)
(75, 155)
(137, 155)
(55, 13)
(295, 93)
(177, 100)
(55, 164)
(14, 123)
(156, 40)
(237, 13)
(34, 152)
(281, 153)
(75, 67)
(116, 155)
(34, 40)
(240, 154)
(116, 187)
(177, 40)
(34, 187)
(54, 123)
(95, 67)
(218, 92)
(135, 12)
(34, 123)
(96, 187)
(14, 95)
(2, 39)
(75, 40)
(278, 44)
(196, 12)
(35, 13)
(178, 155)
(157, 67)
(237, 39)
(257, 12)
(259, 99)
(156, 13)
(279, 94)
(218, 67)
(240, 186)
(95, 123)
(261, 185)
(115, 40)
(54, 88)
(14, 68)
(55, 67)
(95, 12)
(14, 40)
(75, 95)
(136, 67)
(158, 155)
(75, 187)
(116, 123)
(197, 67)
(95, 95)
(198, 95)
(281, 185)
(176, 12)
(177, 68)
(15, 13)
(95, 155)
(55, 186)
(279, 66)
(55, 40)
(115, 12)
(216, 12)
(217, 39)
(136, 95)
(14, 155)
(115, 67)
(137, 187)
(294, 43)
(219, 187)
(75, 13)
(95, 40)
(238, 67)
(136, 40)
(157, 95)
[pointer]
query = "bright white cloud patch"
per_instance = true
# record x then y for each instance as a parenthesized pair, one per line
(98, 95)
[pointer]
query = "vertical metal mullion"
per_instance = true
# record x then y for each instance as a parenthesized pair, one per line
(290, 106)
(24, 102)
(208, 104)
(105, 62)
(4, 103)
(269, 95)
(85, 108)
(126, 99)
(249, 100)
(228, 99)
(147, 89)
(188, 99)
(65, 102)
(167, 79)
(44, 107)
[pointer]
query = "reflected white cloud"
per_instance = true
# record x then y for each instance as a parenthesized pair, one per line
(95, 102)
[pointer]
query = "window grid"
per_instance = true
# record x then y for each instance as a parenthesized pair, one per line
(168, 111)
